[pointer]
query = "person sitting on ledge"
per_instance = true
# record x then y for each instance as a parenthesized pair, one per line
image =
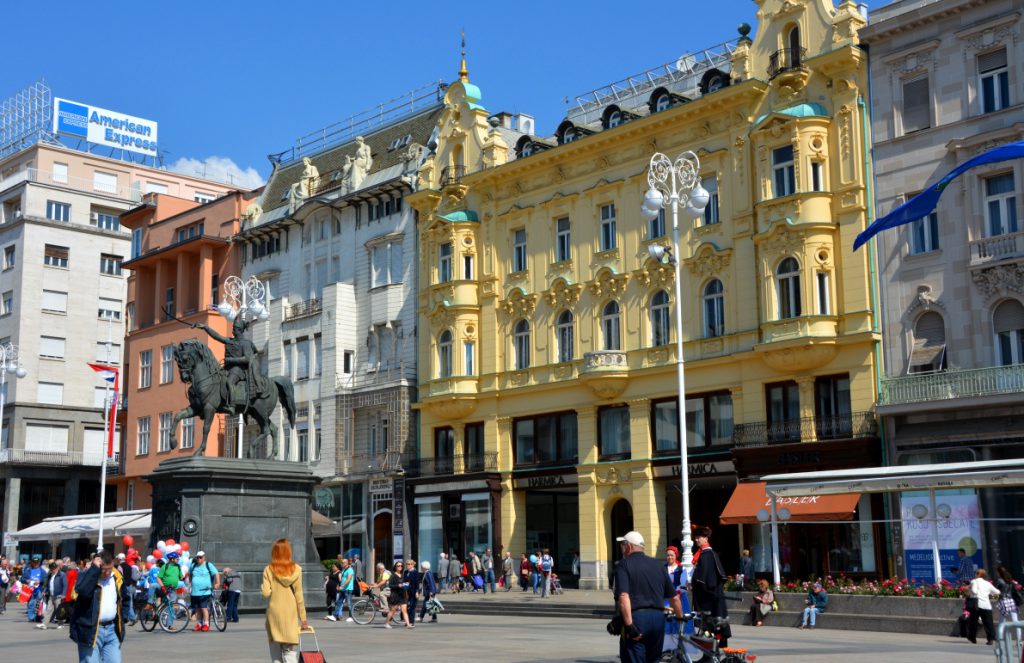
(817, 601)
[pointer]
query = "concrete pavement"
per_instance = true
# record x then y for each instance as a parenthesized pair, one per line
(465, 637)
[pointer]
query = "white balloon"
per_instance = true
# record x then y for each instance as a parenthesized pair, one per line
(176, 547)
(161, 545)
(150, 558)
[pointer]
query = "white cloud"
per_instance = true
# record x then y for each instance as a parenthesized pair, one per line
(219, 169)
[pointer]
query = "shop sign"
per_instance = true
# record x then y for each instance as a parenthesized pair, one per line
(696, 469)
(958, 525)
(547, 481)
(104, 127)
(398, 512)
(380, 485)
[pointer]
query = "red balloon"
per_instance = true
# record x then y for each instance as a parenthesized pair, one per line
(184, 545)
(127, 540)
(169, 542)
(158, 553)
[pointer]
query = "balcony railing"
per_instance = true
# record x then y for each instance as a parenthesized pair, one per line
(51, 458)
(452, 175)
(604, 360)
(954, 383)
(449, 465)
(370, 463)
(303, 309)
(840, 427)
(784, 60)
(114, 467)
(1000, 247)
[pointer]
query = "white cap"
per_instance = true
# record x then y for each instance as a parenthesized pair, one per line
(200, 554)
(120, 555)
(633, 539)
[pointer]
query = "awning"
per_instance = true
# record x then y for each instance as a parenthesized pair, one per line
(749, 498)
(323, 526)
(86, 526)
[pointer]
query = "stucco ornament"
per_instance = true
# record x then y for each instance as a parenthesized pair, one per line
(1000, 280)
(518, 304)
(608, 284)
(655, 273)
(709, 262)
(252, 215)
(562, 294)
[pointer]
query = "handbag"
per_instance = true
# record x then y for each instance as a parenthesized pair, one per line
(311, 656)
(775, 606)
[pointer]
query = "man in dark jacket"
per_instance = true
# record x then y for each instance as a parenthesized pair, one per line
(53, 594)
(412, 576)
(96, 622)
(708, 582)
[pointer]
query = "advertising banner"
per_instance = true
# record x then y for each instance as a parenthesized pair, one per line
(958, 527)
(103, 127)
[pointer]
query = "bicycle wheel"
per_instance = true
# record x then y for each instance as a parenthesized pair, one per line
(147, 617)
(173, 617)
(363, 611)
(220, 622)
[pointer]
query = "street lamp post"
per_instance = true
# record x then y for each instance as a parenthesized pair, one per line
(675, 183)
(246, 299)
(9, 363)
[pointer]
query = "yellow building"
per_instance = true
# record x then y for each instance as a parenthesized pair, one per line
(547, 357)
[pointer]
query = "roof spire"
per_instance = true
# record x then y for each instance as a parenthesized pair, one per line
(463, 72)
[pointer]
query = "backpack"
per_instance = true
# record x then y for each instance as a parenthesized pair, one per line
(545, 564)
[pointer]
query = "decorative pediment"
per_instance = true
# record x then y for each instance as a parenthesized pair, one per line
(518, 304)
(781, 239)
(562, 294)
(925, 300)
(656, 274)
(1000, 280)
(608, 284)
(708, 261)
(441, 316)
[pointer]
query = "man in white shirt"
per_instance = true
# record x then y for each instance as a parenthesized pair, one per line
(96, 622)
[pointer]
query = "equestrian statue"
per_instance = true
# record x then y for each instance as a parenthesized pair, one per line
(236, 389)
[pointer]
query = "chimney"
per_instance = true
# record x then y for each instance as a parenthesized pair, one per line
(524, 124)
(504, 119)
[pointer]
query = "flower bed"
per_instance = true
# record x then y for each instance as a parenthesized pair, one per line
(848, 586)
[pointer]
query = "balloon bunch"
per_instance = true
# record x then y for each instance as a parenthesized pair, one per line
(165, 548)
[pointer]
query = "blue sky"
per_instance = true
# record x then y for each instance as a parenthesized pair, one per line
(240, 80)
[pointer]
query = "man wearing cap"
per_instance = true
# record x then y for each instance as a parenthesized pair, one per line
(205, 578)
(34, 576)
(641, 588)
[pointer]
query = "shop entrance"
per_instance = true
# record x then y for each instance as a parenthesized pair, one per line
(553, 522)
(621, 522)
(382, 544)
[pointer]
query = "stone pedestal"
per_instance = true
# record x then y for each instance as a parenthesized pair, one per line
(234, 510)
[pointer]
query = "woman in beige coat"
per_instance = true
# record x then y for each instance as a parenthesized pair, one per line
(282, 584)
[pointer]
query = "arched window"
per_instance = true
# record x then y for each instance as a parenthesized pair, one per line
(564, 332)
(610, 326)
(526, 150)
(660, 319)
(521, 341)
(444, 354)
(714, 309)
(929, 351)
(663, 102)
(787, 278)
(614, 119)
(568, 136)
(793, 44)
(1008, 322)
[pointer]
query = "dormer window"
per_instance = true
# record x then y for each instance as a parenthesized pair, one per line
(526, 150)
(568, 136)
(614, 119)
(663, 102)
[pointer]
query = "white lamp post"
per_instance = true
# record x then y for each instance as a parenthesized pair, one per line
(9, 364)
(246, 299)
(675, 183)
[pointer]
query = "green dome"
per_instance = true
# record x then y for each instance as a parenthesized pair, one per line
(461, 216)
(800, 110)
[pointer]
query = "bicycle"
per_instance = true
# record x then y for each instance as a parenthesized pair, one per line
(365, 610)
(173, 616)
(218, 616)
(702, 646)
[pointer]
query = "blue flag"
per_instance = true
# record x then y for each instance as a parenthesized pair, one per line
(925, 202)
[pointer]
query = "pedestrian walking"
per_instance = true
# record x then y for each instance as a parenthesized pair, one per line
(547, 565)
(282, 585)
(454, 572)
(97, 624)
(233, 586)
(205, 578)
(346, 584)
(358, 568)
(397, 598)
(332, 581)
(525, 572)
(762, 605)
(442, 571)
(475, 572)
(34, 576)
(507, 572)
(979, 604)
(487, 565)
(53, 594)
(5, 582)
(746, 575)
(429, 588)
(641, 587)
(411, 577)
(708, 582)
(817, 603)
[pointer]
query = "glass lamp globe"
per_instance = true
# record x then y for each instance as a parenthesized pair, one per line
(264, 314)
(653, 199)
(648, 213)
(20, 372)
(225, 309)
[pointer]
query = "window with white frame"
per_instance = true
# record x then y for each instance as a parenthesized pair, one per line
(129, 500)
(166, 364)
(164, 440)
(7, 303)
(188, 433)
(444, 354)
(51, 347)
(608, 235)
(318, 354)
(783, 171)
(710, 184)
(924, 232)
(564, 332)
(467, 267)
(928, 353)
(108, 356)
(60, 173)
(1008, 322)
(145, 369)
(824, 298)
(469, 357)
(563, 239)
(105, 220)
(54, 301)
(1000, 204)
(110, 264)
(444, 263)
(9, 257)
(50, 393)
(58, 211)
(136, 242)
(994, 82)
(109, 309)
(610, 331)
(56, 256)
(386, 263)
(286, 355)
(787, 280)
(303, 444)
(656, 226)
(714, 309)
(660, 322)
(105, 182)
(155, 187)
(142, 437)
(614, 119)
(917, 105)
(519, 250)
(521, 343)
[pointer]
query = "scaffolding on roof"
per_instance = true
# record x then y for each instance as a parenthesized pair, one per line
(26, 117)
(680, 75)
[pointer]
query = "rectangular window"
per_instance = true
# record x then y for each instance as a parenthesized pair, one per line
(105, 182)
(302, 354)
(444, 443)
(188, 433)
(783, 406)
(995, 81)
(108, 356)
(50, 393)
(467, 268)
(563, 240)
(203, 198)
(9, 257)
(1000, 205)
(817, 175)
(145, 369)
(51, 347)
(665, 421)
(167, 364)
(155, 187)
(109, 309)
(613, 431)
(608, 235)
(55, 302)
(318, 355)
(832, 407)
(52, 439)
(710, 185)
(519, 250)
(470, 357)
(286, 354)
(783, 174)
(142, 439)
(105, 220)
(60, 173)
(656, 226)
(924, 233)
(546, 439)
(56, 211)
(110, 264)
(709, 422)
(7, 303)
(136, 242)
(303, 445)
(348, 359)
(916, 105)
(214, 288)
(444, 263)
(169, 304)
(164, 441)
(823, 294)
(56, 256)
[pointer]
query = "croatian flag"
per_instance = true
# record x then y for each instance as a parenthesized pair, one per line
(112, 375)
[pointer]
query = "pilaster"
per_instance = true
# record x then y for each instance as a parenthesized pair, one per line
(586, 427)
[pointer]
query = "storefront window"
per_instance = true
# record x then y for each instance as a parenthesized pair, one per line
(613, 430)
(353, 520)
(430, 531)
(478, 523)
(666, 426)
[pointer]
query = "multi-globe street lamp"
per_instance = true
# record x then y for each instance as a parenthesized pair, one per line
(246, 299)
(9, 365)
(674, 184)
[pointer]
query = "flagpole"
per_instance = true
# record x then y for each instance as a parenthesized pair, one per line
(106, 436)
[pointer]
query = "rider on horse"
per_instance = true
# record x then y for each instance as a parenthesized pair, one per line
(240, 356)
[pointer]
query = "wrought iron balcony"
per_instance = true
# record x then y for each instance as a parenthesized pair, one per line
(809, 429)
(994, 249)
(303, 309)
(452, 175)
(370, 463)
(114, 467)
(954, 383)
(785, 59)
(451, 465)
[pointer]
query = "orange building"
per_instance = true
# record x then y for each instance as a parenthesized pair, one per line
(181, 253)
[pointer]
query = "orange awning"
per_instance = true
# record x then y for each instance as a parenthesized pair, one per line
(749, 498)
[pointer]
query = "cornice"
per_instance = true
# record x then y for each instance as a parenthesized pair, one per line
(915, 19)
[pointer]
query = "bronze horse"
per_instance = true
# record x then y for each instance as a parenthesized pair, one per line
(208, 394)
